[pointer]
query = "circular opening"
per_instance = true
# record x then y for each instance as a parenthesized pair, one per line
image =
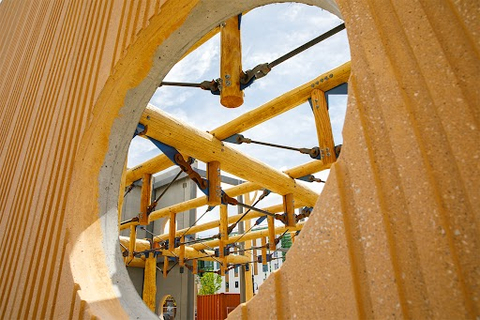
(167, 308)
(285, 27)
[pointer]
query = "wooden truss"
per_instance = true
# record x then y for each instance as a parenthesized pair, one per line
(210, 148)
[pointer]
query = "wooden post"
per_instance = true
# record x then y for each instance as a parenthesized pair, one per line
(248, 245)
(150, 281)
(172, 228)
(289, 209)
(133, 241)
(165, 266)
(324, 127)
(264, 251)
(231, 63)
(223, 237)
(214, 183)
(271, 232)
(293, 235)
(146, 198)
(181, 256)
(255, 261)
(194, 266)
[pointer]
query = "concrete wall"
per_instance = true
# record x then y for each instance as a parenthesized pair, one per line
(394, 234)
(178, 285)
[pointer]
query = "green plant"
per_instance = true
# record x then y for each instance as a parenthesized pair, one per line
(210, 283)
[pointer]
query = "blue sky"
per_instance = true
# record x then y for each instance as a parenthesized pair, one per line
(267, 33)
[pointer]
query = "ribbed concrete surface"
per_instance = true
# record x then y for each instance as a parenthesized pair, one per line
(395, 234)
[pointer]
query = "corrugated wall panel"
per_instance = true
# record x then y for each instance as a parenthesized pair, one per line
(396, 230)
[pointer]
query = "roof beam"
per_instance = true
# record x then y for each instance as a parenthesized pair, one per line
(205, 147)
(279, 105)
(296, 172)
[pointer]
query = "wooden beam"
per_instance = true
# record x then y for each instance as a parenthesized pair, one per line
(205, 147)
(214, 183)
(248, 236)
(324, 127)
(283, 103)
(296, 172)
(151, 166)
(190, 253)
(230, 63)
(128, 225)
(216, 223)
(150, 281)
(279, 105)
(289, 209)
(145, 198)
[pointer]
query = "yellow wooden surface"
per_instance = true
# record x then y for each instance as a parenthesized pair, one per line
(145, 198)
(271, 233)
(289, 209)
(151, 166)
(263, 241)
(216, 223)
(324, 127)
(181, 256)
(283, 103)
(206, 147)
(296, 172)
(250, 119)
(194, 266)
(190, 252)
(214, 183)
(133, 238)
(150, 282)
(165, 266)
(230, 63)
(75, 76)
(248, 253)
(172, 227)
(248, 236)
(223, 236)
